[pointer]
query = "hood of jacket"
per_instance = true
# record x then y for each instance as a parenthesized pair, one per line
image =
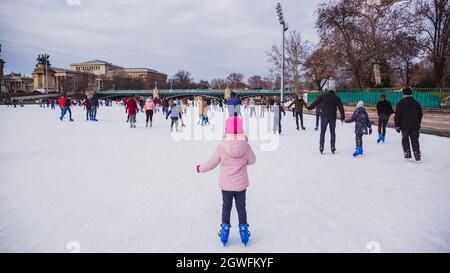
(235, 148)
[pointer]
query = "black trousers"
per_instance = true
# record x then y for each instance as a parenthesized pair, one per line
(382, 123)
(297, 115)
(88, 113)
(227, 205)
(413, 136)
(359, 141)
(324, 122)
(149, 114)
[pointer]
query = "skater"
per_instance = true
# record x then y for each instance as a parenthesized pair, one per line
(205, 120)
(149, 108)
(234, 154)
(133, 109)
(234, 105)
(277, 111)
(362, 122)
(384, 110)
(408, 118)
(87, 107)
(252, 105)
(298, 110)
(330, 102)
(263, 107)
(53, 104)
(318, 111)
(66, 108)
(221, 105)
(174, 114)
(94, 103)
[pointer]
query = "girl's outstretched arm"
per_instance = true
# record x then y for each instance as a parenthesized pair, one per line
(211, 163)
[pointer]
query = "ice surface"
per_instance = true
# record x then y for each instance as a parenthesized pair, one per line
(103, 187)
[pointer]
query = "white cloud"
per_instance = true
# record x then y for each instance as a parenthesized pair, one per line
(210, 38)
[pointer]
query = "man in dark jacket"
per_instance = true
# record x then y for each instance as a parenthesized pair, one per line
(298, 110)
(329, 102)
(408, 117)
(384, 110)
(94, 106)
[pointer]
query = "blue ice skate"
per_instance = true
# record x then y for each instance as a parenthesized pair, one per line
(358, 151)
(245, 234)
(224, 233)
(380, 139)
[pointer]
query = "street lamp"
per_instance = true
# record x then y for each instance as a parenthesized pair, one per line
(285, 28)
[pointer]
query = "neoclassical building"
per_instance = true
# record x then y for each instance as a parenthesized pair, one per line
(16, 82)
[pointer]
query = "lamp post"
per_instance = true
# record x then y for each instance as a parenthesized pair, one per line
(284, 29)
(46, 58)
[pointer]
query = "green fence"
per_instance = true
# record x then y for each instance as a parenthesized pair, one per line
(427, 100)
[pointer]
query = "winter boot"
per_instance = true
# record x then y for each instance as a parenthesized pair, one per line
(358, 151)
(407, 154)
(380, 138)
(245, 234)
(417, 156)
(224, 233)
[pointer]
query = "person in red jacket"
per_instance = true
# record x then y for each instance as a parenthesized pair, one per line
(62, 106)
(132, 109)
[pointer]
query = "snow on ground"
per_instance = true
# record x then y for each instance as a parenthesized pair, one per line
(103, 187)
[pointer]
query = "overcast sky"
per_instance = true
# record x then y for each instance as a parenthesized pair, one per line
(209, 38)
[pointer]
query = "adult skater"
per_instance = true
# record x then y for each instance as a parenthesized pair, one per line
(87, 107)
(362, 122)
(174, 114)
(408, 118)
(94, 106)
(133, 109)
(149, 108)
(277, 111)
(234, 105)
(330, 102)
(234, 154)
(384, 110)
(318, 111)
(62, 105)
(298, 110)
(66, 108)
(252, 105)
(52, 104)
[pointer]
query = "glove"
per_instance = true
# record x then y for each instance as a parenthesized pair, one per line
(198, 168)
(397, 129)
(370, 131)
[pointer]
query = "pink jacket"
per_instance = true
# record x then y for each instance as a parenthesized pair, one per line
(149, 105)
(234, 156)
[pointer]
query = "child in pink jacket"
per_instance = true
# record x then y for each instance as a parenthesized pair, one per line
(234, 154)
(149, 109)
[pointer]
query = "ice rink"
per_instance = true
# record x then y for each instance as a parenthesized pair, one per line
(103, 187)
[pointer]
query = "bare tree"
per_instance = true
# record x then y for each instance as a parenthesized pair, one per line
(236, 80)
(182, 80)
(296, 51)
(436, 15)
(320, 66)
(218, 83)
(256, 82)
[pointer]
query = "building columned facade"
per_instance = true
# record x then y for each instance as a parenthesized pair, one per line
(88, 76)
(16, 82)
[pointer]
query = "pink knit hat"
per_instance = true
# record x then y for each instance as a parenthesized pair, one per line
(234, 126)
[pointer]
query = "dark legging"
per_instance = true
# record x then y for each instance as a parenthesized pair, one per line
(297, 115)
(317, 119)
(239, 198)
(382, 123)
(359, 141)
(149, 114)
